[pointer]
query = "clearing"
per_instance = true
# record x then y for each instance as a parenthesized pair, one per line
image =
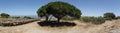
(107, 27)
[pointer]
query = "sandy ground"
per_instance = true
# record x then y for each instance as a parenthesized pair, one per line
(107, 27)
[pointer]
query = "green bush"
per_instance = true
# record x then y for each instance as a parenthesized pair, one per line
(27, 17)
(15, 17)
(98, 20)
(118, 17)
(109, 16)
(4, 15)
(108, 19)
(86, 19)
(67, 18)
(94, 20)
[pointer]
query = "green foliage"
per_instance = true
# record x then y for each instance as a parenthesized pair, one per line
(59, 9)
(42, 11)
(98, 20)
(16, 17)
(67, 18)
(118, 17)
(86, 19)
(27, 17)
(4, 15)
(109, 16)
(94, 20)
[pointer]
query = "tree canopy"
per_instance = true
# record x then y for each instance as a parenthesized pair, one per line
(59, 9)
(4, 15)
(109, 15)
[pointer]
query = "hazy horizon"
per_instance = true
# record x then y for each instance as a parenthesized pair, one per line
(87, 7)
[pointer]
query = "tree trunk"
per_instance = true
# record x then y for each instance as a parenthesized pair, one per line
(58, 19)
(46, 18)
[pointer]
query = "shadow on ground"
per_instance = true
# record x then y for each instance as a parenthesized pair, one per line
(56, 24)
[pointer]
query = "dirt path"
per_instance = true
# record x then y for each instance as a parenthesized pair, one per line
(80, 28)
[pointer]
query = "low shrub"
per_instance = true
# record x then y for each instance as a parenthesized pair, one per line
(16, 17)
(67, 18)
(118, 17)
(94, 20)
(86, 19)
(27, 17)
(108, 19)
(98, 20)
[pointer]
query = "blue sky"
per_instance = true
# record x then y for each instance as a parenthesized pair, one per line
(87, 7)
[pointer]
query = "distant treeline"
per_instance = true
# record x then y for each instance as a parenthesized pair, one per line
(5, 15)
